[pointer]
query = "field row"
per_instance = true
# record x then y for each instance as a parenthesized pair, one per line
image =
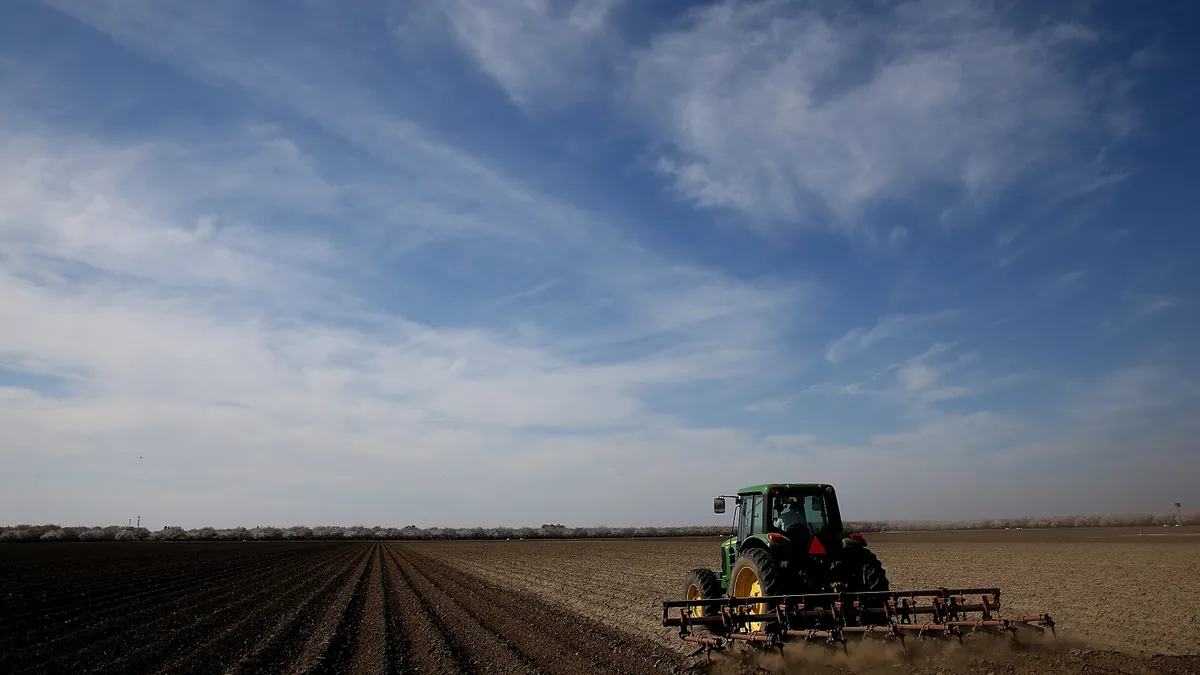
(547, 607)
(349, 608)
(1126, 593)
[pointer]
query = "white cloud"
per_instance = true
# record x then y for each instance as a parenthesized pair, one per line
(923, 378)
(1135, 308)
(224, 395)
(1131, 390)
(150, 293)
(915, 385)
(1149, 304)
(788, 113)
(536, 50)
(886, 327)
(449, 193)
(1063, 285)
(769, 405)
(100, 207)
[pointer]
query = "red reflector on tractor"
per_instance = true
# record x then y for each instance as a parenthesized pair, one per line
(776, 538)
(816, 548)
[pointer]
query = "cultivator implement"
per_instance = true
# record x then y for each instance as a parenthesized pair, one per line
(837, 618)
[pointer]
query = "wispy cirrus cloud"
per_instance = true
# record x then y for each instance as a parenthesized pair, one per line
(793, 115)
(1063, 285)
(540, 52)
(924, 376)
(886, 327)
(1134, 308)
(222, 354)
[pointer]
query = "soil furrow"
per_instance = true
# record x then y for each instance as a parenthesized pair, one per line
(217, 651)
(114, 641)
(477, 649)
(559, 642)
(369, 652)
(38, 567)
(136, 613)
(90, 567)
(60, 615)
(215, 631)
(415, 641)
(328, 647)
(278, 645)
(92, 594)
(435, 626)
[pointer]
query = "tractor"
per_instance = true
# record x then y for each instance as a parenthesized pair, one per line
(789, 540)
(791, 571)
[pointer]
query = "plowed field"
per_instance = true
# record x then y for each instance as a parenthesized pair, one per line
(1124, 599)
(276, 608)
(1125, 605)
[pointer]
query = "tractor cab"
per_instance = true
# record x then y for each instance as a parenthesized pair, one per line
(791, 521)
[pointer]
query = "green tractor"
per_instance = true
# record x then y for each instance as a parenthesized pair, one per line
(789, 540)
(792, 572)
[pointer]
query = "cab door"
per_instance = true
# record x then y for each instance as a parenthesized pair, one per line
(751, 521)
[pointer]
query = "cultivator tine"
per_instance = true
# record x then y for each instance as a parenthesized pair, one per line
(835, 618)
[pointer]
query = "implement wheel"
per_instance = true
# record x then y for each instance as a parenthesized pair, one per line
(701, 584)
(755, 575)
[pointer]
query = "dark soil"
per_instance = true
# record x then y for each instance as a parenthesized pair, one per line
(387, 608)
(285, 607)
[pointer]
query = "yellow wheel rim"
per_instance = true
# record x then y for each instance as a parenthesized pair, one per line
(746, 585)
(693, 593)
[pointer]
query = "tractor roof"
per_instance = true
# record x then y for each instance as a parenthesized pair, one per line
(802, 487)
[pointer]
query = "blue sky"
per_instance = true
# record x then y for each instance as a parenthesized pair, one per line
(594, 262)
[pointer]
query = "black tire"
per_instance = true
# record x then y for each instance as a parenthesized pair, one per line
(770, 581)
(765, 568)
(705, 584)
(862, 571)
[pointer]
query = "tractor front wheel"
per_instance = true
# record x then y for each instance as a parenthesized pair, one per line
(701, 584)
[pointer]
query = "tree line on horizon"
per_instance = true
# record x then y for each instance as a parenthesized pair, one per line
(52, 533)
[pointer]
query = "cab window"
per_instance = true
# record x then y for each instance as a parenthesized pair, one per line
(814, 513)
(792, 511)
(751, 522)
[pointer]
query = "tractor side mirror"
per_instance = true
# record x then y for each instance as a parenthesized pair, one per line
(719, 505)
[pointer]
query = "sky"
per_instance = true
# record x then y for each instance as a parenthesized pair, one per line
(469, 262)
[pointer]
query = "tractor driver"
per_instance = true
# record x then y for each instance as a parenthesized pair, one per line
(789, 512)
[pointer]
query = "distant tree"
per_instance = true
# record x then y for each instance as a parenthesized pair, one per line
(96, 534)
(298, 532)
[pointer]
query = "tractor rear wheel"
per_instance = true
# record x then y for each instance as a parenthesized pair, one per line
(862, 571)
(701, 584)
(754, 575)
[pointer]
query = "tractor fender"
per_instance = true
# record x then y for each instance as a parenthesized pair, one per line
(855, 540)
(753, 542)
